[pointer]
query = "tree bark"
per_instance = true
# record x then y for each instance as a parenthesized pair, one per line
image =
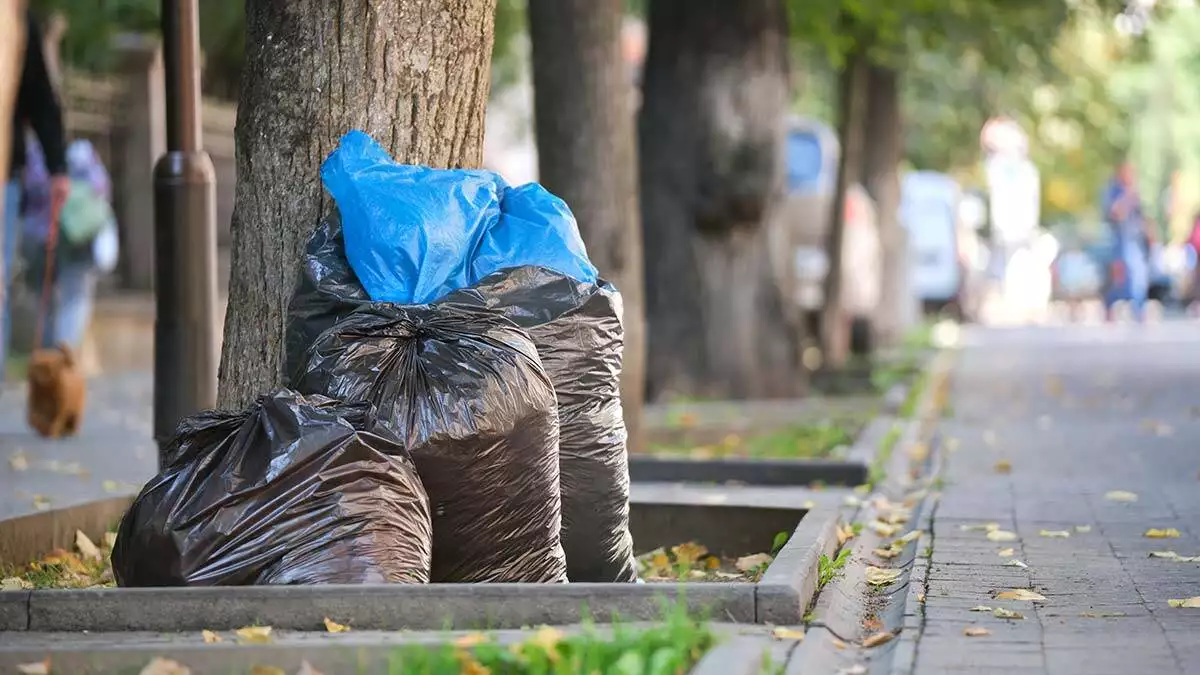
(882, 147)
(412, 73)
(852, 98)
(584, 118)
(711, 134)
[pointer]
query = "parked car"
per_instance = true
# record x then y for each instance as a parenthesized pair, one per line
(812, 162)
(930, 211)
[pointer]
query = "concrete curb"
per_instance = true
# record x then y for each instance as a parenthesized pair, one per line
(776, 472)
(788, 586)
(30, 537)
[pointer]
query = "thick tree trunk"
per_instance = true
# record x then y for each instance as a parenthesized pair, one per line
(711, 140)
(882, 148)
(586, 155)
(412, 73)
(852, 98)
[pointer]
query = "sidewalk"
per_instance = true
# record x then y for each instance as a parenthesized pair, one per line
(1047, 422)
(113, 455)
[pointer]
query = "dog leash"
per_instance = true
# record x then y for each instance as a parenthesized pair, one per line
(47, 280)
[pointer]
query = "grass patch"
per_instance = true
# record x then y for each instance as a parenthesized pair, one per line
(89, 566)
(691, 561)
(828, 568)
(877, 472)
(671, 647)
(908, 409)
(801, 441)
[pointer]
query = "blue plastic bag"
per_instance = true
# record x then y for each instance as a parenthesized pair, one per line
(414, 234)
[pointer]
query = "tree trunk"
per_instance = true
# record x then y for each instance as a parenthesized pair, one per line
(882, 148)
(12, 48)
(711, 134)
(412, 73)
(852, 98)
(582, 106)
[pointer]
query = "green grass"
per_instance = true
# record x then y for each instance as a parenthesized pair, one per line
(908, 409)
(805, 441)
(828, 568)
(877, 472)
(671, 647)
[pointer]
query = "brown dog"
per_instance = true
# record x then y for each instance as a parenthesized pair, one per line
(56, 392)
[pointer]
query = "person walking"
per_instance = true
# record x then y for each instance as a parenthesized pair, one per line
(38, 108)
(1129, 268)
(84, 221)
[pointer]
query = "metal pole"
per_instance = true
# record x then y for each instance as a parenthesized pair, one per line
(185, 241)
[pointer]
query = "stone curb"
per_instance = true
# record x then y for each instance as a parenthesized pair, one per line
(785, 591)
(30, 537)
(765, 472)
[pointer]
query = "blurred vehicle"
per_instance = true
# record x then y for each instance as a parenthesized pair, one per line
(930, 211)
(812, 161)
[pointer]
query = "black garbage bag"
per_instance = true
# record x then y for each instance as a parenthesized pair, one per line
(464, 388)
(293, 490)
(576, 327)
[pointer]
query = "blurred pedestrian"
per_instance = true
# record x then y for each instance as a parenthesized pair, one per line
(36, 107)
(1194, 244)
(1129, 273)
(85, 222)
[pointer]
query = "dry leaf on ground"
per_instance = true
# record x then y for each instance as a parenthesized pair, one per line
(1164, 533)
(1191, 603)
(1083, 529)
(254, 634)
(1016, 563)
(1020, 594)
(1120, 496)
(161, 666)
(335, 627)
(976, 631)
(845, 533)
(787, 634)
(15, 584)
(210, 637)
(877, 576)
(883, 529)
(1001, 535)
(751, 562)
(86, 547)
(1172, 555)
(688, 552)
(981, 527)
(887, 553)
(39, 668)
(41, 503)
(1006, 553)
(471, 639)
(982, 608)
(1055, 534)
(1001, 613)
(18, 461)
(878, 639)
(1002, 466)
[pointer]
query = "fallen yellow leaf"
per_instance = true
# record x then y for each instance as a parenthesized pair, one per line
(18, 461)
(1006, 553)
(688, 552)
(787, 634)
(883, 529)
(878, 639)
(41, 503)
(1001, 613)
(982, 527)
(1055, 534)
(86, 547)
(335, 627)
(877, 576)
(471, 639)
(712, 562)
(1001, 535)
(210, 637)
(976, 631)
(1172, 555)
(1015, 563)
(161, 666)
(845, 533)
(1167, 533)
(254, 634)
(837, 644)
(752, 562)
(887, 553)
(1190, 603)
(982, 608)
(267, 670)
(1002, 466)
(1020, 594)
(1083, 529)
(1120, 496)
(39, 668)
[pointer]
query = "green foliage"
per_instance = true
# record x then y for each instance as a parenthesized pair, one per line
(828, 568)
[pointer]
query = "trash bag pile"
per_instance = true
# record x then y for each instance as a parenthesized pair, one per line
(453, 412)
